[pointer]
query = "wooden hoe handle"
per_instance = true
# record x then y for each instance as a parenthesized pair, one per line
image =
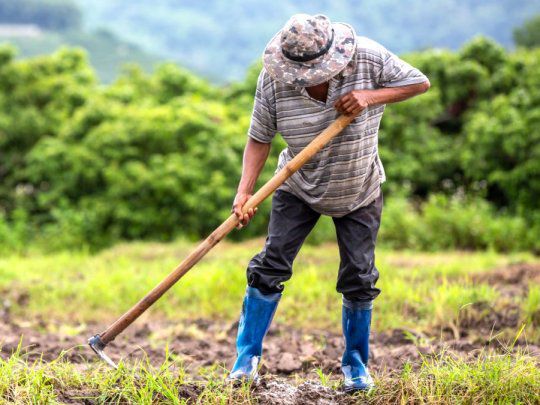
(230, 223)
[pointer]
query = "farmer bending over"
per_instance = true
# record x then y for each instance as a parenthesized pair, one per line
(314, 70)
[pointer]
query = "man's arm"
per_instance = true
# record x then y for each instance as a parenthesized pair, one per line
(358, 100)
(255, 155)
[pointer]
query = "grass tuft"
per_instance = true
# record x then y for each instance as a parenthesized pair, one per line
(491, 378)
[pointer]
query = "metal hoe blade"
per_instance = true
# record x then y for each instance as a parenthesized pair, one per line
(97, 346)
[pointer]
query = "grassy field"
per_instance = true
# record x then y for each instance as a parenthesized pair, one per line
(485, 304)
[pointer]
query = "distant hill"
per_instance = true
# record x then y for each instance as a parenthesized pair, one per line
(107, 53)
(221, 38)
(38, 27)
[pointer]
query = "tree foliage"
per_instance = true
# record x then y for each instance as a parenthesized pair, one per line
(476, 130)
(37, 98)
(528, 35)
(157, 156)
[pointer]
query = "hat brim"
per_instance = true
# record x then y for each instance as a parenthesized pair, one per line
(317, 71)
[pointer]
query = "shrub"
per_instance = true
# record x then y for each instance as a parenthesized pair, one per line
(452, 223)
(159, 156)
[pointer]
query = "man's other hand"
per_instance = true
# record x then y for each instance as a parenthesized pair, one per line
(239, 201)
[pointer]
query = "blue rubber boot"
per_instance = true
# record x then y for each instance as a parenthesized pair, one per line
(257, 312)
(356, 320)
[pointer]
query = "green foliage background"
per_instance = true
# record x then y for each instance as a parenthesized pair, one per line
(159, 156)
(528, 35)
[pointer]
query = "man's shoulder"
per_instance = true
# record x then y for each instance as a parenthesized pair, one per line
(265, 76)
(265, 82)
(367, 48)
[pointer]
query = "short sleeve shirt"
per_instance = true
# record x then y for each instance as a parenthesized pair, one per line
(346, 174)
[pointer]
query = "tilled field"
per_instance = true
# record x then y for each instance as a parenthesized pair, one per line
(295, 360)
(292, 358)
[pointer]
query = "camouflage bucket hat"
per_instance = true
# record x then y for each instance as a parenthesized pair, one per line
(309, 50)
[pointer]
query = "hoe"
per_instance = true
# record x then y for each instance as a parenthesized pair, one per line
(100, 341)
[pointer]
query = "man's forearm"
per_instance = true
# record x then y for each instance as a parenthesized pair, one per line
(255, 155)
(358, 100)
(388, 95)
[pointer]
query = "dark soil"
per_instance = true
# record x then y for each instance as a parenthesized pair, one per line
(202, 343)
(512, 279)
(206, 343)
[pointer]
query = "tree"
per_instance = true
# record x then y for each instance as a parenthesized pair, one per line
(37, 97)
(528, 35)
(159, 156)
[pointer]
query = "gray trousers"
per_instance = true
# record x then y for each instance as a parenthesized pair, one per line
(291, 220)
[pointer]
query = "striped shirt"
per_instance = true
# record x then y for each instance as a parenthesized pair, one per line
(346, 174)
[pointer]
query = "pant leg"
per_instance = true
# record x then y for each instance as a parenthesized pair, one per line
(291, 220)
(356, 235)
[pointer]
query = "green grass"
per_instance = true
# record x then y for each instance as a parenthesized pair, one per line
(52, 382)
(419, 290)
(442, 380)
(491, 379)
(531, 306)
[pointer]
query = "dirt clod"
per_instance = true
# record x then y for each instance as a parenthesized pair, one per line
(279, 391)
(288, 363)
(518, 275)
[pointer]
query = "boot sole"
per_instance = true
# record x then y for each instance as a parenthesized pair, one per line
(238, 382)
(353, 390)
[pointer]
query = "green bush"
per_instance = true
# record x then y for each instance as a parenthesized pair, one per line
(159, 156)
(453, 223)
(443, 223)
(528, 35)
(15, 232)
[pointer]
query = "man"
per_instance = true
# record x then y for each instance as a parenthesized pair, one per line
(314, 70)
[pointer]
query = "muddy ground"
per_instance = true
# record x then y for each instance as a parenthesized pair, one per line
(287, 352)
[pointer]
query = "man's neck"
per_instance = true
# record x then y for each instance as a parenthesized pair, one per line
(318, 92)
